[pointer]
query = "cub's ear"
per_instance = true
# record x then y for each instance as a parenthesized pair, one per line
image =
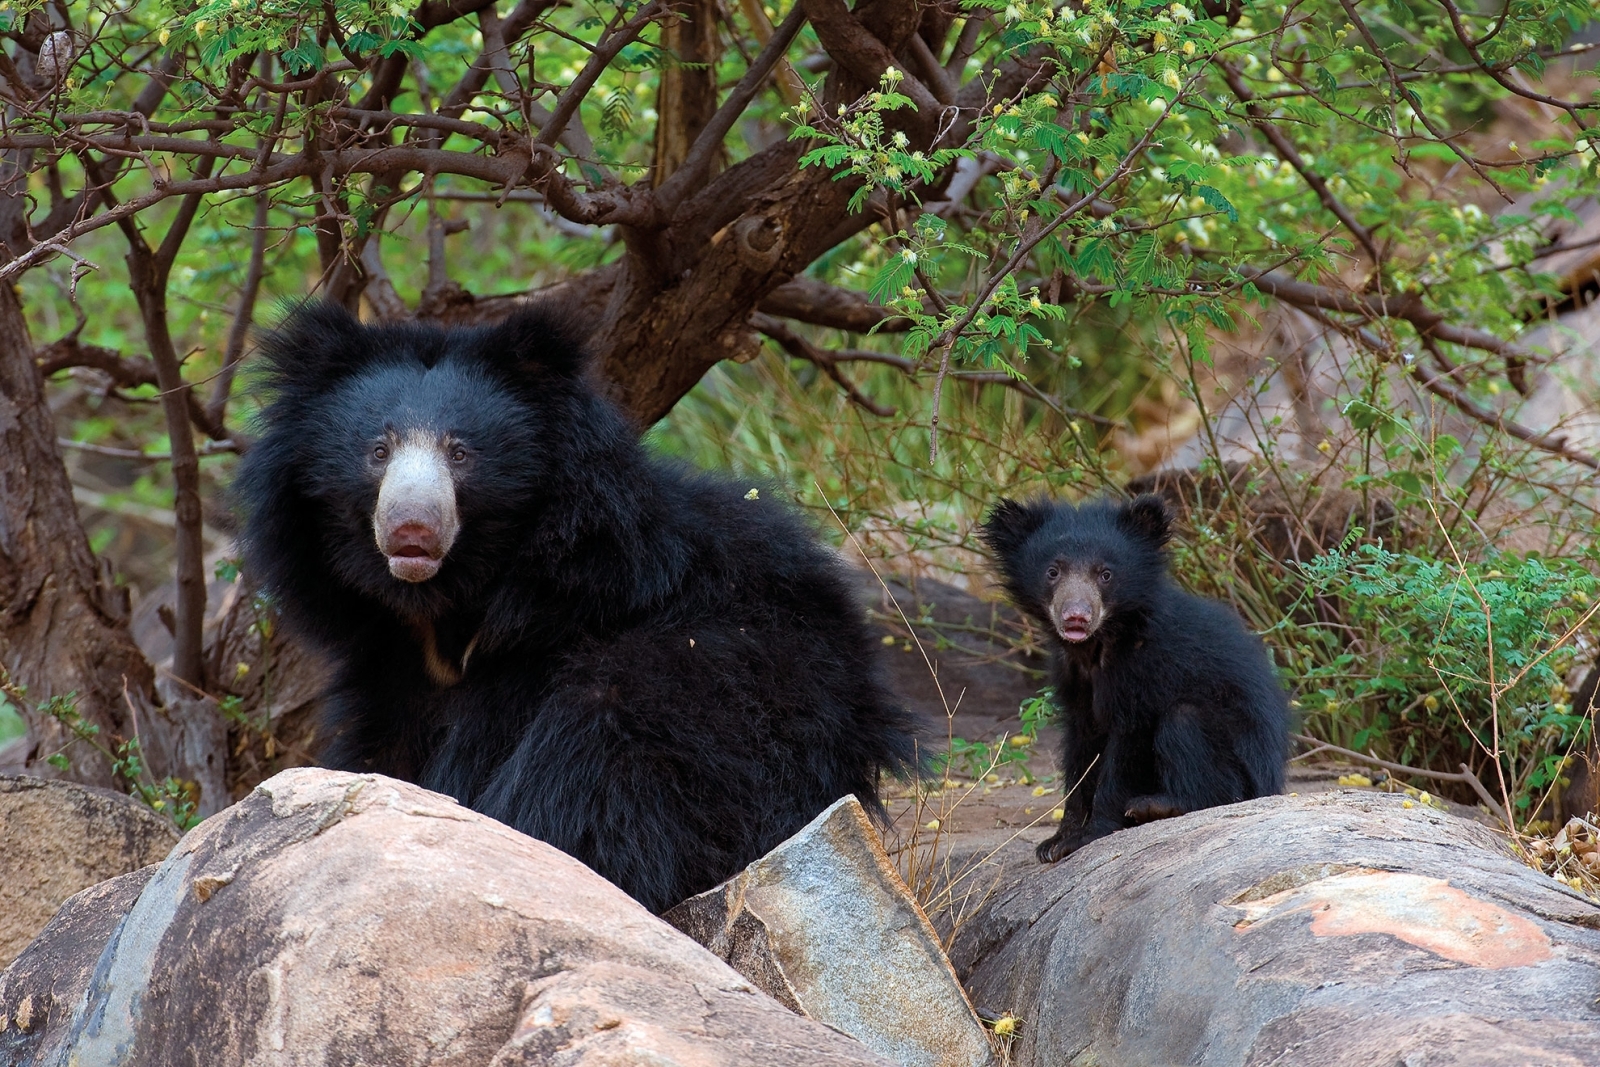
(536, 344)
(1146, 516)
(315, 343)
(1010, 524)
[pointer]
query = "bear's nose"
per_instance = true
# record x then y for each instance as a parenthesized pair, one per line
(414, 539)
(1077, 621)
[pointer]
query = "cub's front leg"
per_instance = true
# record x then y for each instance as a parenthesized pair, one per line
(1082, 767)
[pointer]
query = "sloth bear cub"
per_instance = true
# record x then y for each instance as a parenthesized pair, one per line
(655, 671)
(1167, 704)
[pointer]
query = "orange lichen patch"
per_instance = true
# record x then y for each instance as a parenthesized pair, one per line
(1427, 912)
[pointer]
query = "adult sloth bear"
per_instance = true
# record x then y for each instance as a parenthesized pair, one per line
(653, 670)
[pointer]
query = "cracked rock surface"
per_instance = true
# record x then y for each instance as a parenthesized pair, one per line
(1342, 929)
(333, 918)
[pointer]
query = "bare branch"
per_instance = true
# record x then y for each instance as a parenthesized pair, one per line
(768, 325)
(820, 304)
(929, 70)
(244, 314)
(1437, 385)
(1466, 776)
(1416, 105)
(614, 40)
(211, 448)
(1407, 307)
(70, 352)
(866, 58)
(1498, 73)
(800, 348)
(148, 271)
(965, 45)
(510, 28)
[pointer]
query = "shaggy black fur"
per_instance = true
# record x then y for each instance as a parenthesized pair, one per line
(658, 675)
(1170, 705)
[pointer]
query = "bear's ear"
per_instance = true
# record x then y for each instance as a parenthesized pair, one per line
(316, 342)
(535, 344)
(1146, 516)
(1010, 524)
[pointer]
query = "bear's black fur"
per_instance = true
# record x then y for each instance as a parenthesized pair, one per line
(1167, 703)
(643, 666)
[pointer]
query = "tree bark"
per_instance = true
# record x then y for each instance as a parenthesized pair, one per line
(63, 626)
(687, 96)
(147, 274)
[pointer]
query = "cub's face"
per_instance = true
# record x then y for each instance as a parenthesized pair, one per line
(1078, 568)
(1075, 593)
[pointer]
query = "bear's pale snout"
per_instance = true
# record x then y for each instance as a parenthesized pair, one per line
(415, 521)
(1076, 606)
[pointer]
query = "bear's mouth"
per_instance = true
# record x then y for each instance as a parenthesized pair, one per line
(412, 563)
(1074, 632)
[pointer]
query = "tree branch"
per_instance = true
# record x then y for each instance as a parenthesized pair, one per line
(820, 304)
(1437, 385)
(1407, 307)
(1291, 155)
(613, 41)
(1466, 776)
(148, 272)
(824, 361)
(965, 45)
(864, 56)
(69, 352)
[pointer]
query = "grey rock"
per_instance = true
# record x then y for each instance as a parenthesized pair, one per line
(824, 924)
(53, 974)
(59, 837)
(1332, 930)
(339, 918)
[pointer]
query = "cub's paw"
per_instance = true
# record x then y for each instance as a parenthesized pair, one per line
(1150, 808)
(1064, 844)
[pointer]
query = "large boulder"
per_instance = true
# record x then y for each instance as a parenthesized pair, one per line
(1348, 929)
(59, 837)
(332, 918)
(824, 925)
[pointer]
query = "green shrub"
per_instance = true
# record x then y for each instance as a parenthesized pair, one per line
(1437, 662)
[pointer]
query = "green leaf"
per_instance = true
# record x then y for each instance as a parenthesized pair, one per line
(1214, 198)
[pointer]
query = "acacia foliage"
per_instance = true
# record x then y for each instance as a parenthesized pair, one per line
(959, 192)
(1182, 162)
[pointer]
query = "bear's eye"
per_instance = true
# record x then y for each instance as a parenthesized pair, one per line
(459, 455)
(1053, 573)
(1105, 577)
(380, 452)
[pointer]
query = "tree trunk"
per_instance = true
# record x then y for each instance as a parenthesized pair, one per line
(63, 626)
(683, 297)
(687, 96)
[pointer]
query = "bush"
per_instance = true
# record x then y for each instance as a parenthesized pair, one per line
(1436, 662)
